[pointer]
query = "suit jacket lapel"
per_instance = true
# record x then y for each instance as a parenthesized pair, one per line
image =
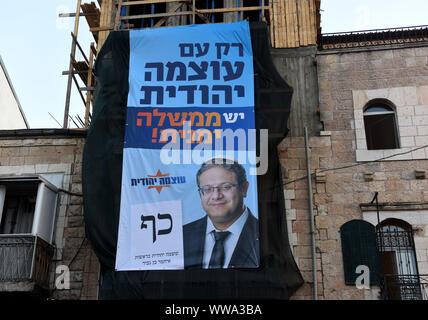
(246, 253)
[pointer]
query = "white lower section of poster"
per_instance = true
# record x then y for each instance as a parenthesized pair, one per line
(156, 237)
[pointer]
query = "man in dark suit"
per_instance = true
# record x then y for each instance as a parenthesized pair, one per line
(228, 236)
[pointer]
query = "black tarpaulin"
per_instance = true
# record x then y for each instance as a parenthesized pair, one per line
(277, 277)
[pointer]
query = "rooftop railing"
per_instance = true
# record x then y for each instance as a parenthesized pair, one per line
(373, 37)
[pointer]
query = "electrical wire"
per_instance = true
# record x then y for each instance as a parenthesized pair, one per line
(356, 164)
(70, 193)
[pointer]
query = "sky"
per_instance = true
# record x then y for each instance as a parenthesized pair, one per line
(35, 45)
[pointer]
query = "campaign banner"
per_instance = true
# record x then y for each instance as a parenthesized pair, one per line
(189, 187)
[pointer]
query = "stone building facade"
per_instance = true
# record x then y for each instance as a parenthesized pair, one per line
(52, 158)
(346, 174)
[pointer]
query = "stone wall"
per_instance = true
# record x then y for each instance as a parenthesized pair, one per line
(49, 154)
(340, 183)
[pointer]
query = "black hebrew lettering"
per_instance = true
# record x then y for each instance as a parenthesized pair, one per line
(240, 48)
(216, 69)
(159, 74)
(226, 47)
(232, 75)
(200, 71)
(240, 90)
(190, 93)
(200, 51)
(171, 70)
(183, 47)
(148, 90)
(144, 226)
(171, 91)
(204, 93)
(162, 217)
(227, 94)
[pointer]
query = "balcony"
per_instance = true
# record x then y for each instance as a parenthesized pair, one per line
(405, 287)
(24, 263)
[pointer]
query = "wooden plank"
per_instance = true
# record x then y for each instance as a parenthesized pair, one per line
(288, 19)
(103, 22)
(299, 15)
(276, 15)
(312, 23)
(156, 15)
(271, 25)
(93, 49)
(304, 25)
(283, 35)
(118, 17)
(92, 14)
(308, 22)
(97, 29)
(295, 24)
(311, 20)
(89, 84)
(231, 9)
(200, 15)
(173, 9)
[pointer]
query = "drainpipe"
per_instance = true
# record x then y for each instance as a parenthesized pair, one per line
(311, 216)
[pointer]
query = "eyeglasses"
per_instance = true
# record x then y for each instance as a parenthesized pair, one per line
(205, 191)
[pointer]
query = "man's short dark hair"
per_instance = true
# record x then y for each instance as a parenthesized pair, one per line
(227, 164)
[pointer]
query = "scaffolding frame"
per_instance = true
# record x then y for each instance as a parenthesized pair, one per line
(293, 23)
(84, 69)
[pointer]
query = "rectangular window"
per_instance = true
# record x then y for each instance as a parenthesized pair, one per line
(27, 206)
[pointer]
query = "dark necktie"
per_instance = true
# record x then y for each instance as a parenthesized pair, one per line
(217, 256)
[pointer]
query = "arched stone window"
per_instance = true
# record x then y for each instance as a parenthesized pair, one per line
(380, 123)
(398, 260)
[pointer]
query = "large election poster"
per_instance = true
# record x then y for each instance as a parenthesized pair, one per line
(189, 188)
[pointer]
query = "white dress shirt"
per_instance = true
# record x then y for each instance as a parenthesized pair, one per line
(229, 244)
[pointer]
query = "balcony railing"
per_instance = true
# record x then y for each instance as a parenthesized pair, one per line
(405, 287)
(24, 259)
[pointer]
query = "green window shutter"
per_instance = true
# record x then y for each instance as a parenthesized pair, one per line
(359, 248)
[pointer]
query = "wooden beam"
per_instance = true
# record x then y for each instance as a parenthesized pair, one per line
(89, 83)
(200, 15)
(231, 9)
(173, 9)
(118, 13)
(70, 69)
(133, 3)
(69, 15)
(156, 15)
(96, 29)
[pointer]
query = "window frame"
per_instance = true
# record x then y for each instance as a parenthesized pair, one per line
(45, 210)
(387, 104)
